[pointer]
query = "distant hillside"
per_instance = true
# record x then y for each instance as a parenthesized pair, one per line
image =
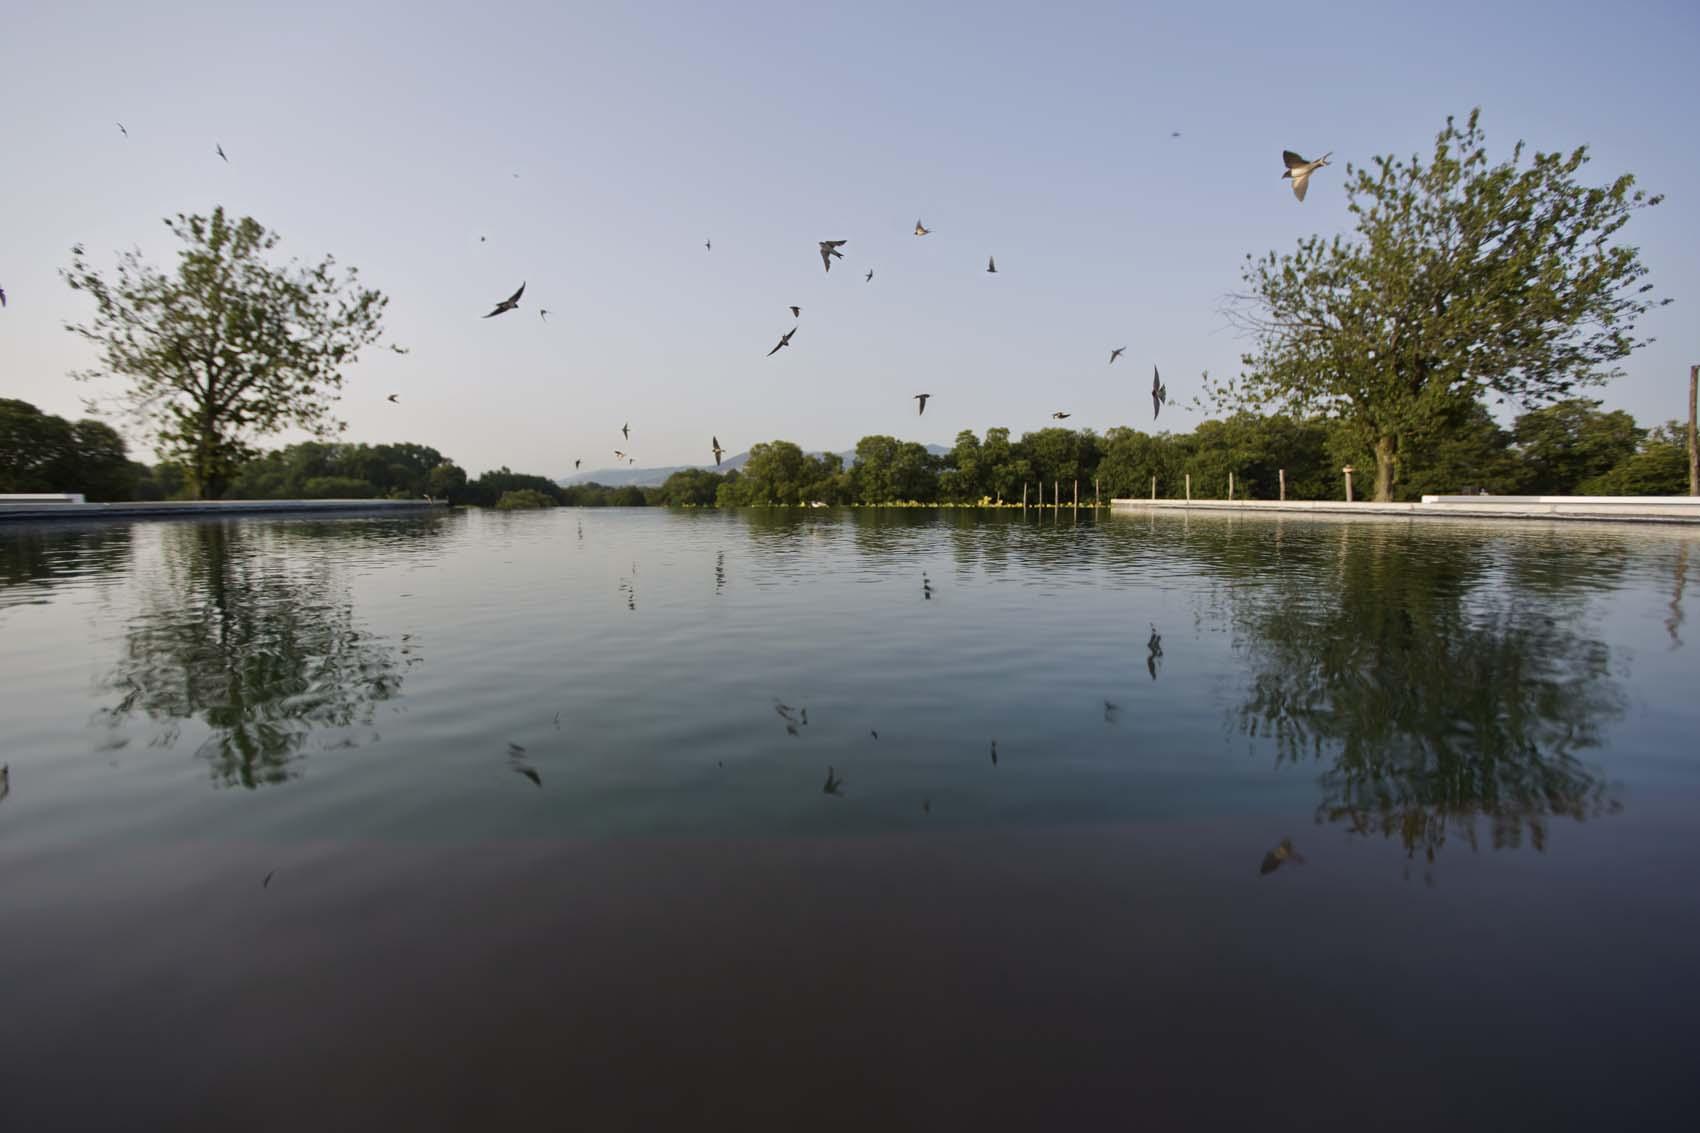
(654, 477)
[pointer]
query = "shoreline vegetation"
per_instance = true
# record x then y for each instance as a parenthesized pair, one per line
(1572, 447)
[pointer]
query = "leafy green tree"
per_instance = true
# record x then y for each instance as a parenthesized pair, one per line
(447, 481)
(337, 488)
(773, 474)
(1660, 468)
(888, 470)
(1570, 441)
(43, 452)
(229, 347)
(1059, 457)
(967, 478)
(34, 448)
(1005, 465)
(1463, 277)
(490, 487)
(1462, 449)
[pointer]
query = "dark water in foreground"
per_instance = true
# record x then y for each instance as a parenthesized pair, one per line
(272, 857)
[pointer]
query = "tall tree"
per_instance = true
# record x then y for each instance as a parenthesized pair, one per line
(1463, 277)
(229, 347)
(1571, 441)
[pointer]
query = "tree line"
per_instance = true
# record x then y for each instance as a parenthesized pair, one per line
(1573, 447)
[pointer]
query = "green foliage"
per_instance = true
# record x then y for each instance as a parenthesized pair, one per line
(229, 347)
(690, 487)
(524, 499)
(888, 470)
(779, 472)
(1659, 468)
(1463, 278)
(391, 471)
(1571, 441)
(41, 452)
(489, 488)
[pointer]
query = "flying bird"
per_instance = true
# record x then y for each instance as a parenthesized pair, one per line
(577, 462)
(481, 239)
(220, 148)
(515, 749)
(785, 340)
(631, 460)
(717, 452)
(874, 732)
(1059, 415)
(926, 806)
(829, 249)
(508, 304)
(626, 430)
(395, 398)
(834, 784)
(709, 244)
(870, 276)
(994, 753)
(1116, 353)
(796, 312)
(1159, 394)
(122, 130)
(2, 296)
(921, 229)
(543, 313)
(991, 264)
(268, 879)
(529, 773)
(1300, 170)
(922, 398)
(1174, 133)
(618, 455)
(1279, 856)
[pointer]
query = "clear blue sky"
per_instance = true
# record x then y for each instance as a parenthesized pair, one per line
(389, 135)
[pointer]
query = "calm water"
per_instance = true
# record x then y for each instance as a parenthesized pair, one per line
(484, 819)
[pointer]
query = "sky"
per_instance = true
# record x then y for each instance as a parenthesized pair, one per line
(595, 148)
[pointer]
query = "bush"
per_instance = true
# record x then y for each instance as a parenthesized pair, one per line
(337, 488)
(523, 499)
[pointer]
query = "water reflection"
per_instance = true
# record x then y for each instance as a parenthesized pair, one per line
(261, 647)
(36, 557)
(1437, 694)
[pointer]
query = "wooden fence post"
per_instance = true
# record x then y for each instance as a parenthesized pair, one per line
(1283, 483)
(1024, 495)
(1189, 487)
(1230, 487)
(1153, 489)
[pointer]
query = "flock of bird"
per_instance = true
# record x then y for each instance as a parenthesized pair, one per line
(1298, 171)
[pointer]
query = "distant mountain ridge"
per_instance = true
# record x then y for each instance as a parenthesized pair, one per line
(633, 476)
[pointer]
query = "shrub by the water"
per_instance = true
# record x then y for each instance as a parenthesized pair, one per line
(522, 499)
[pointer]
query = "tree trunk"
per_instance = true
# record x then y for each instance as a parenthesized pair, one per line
(1384, 450)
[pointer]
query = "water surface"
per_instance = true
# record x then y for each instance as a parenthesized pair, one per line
(516, 817)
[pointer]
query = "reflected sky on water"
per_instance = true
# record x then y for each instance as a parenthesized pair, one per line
(1263, 732)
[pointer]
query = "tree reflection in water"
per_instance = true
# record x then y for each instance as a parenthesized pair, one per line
(256, 640)
(1439, 693)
